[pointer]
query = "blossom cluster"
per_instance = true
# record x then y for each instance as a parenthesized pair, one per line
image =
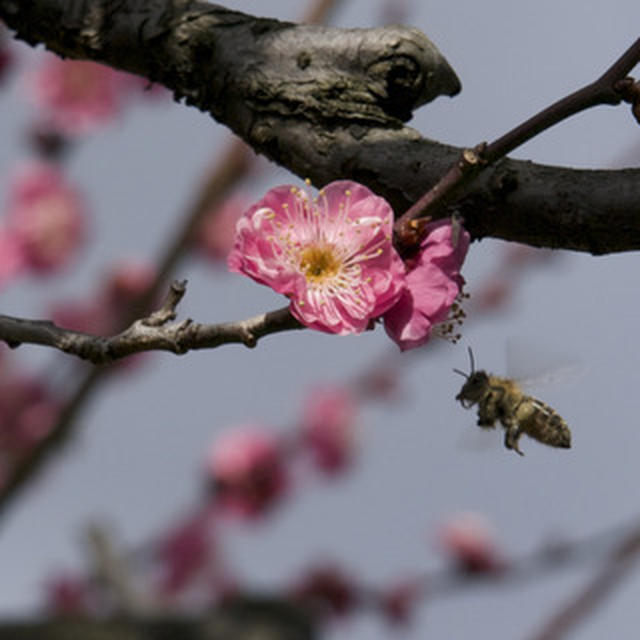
(333, 257)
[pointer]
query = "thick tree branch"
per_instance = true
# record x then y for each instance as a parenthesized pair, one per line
(153, 333)
(238, 619)
(328, 103)
(610, 88)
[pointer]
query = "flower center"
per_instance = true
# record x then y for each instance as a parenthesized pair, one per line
(319, 263)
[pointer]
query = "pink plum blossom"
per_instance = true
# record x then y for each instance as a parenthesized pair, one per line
(332, 256)
(433, 284)
(45, 216)
(328, 421)
(247, 470)
(469, 539)
(76, 95)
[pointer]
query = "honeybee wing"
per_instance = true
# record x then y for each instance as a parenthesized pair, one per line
(537, 366)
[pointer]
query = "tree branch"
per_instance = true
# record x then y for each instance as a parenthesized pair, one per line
(244, 618)
(610, 88)
(329, 103)
(152, 333)
(610, 576)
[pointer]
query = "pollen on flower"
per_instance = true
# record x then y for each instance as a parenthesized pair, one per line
(448, 330)
(319, 263)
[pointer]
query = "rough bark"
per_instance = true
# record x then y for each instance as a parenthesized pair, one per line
(329, 103)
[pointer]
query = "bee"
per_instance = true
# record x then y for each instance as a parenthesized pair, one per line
(502, 400)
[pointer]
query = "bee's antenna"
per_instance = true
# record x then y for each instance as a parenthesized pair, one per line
(473, 364)
(462, 373)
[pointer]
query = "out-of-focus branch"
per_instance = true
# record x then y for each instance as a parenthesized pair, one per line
(237, 619)
(620, 563)
(153, 333)
(111, 569)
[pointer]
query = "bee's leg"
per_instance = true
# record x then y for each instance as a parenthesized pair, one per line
(486, 412)
(512, 436)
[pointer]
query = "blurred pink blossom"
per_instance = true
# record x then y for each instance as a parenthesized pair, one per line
(186, 552)
(108, 312)
(27, 413)
(76, 96)
(469, 539)
(127, 281)
(328, 422)
(46, 217)
(247, 471)
(433, 284)
(332, 256)
(104, 314)
(66, 595)
(397, 602)
(327, 590)
(216, 234)
(494, 295)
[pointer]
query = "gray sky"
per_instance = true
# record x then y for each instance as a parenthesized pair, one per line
(143, 438)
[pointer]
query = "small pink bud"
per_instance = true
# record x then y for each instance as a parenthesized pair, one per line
(469, 540)
(328, 422)
(397, 603)
(247, 471)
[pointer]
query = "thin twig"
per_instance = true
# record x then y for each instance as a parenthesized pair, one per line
(152, 333)
(595, 592)
(112, 570)
(605, 90)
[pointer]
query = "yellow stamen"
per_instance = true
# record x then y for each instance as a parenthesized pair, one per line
(319, 263)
